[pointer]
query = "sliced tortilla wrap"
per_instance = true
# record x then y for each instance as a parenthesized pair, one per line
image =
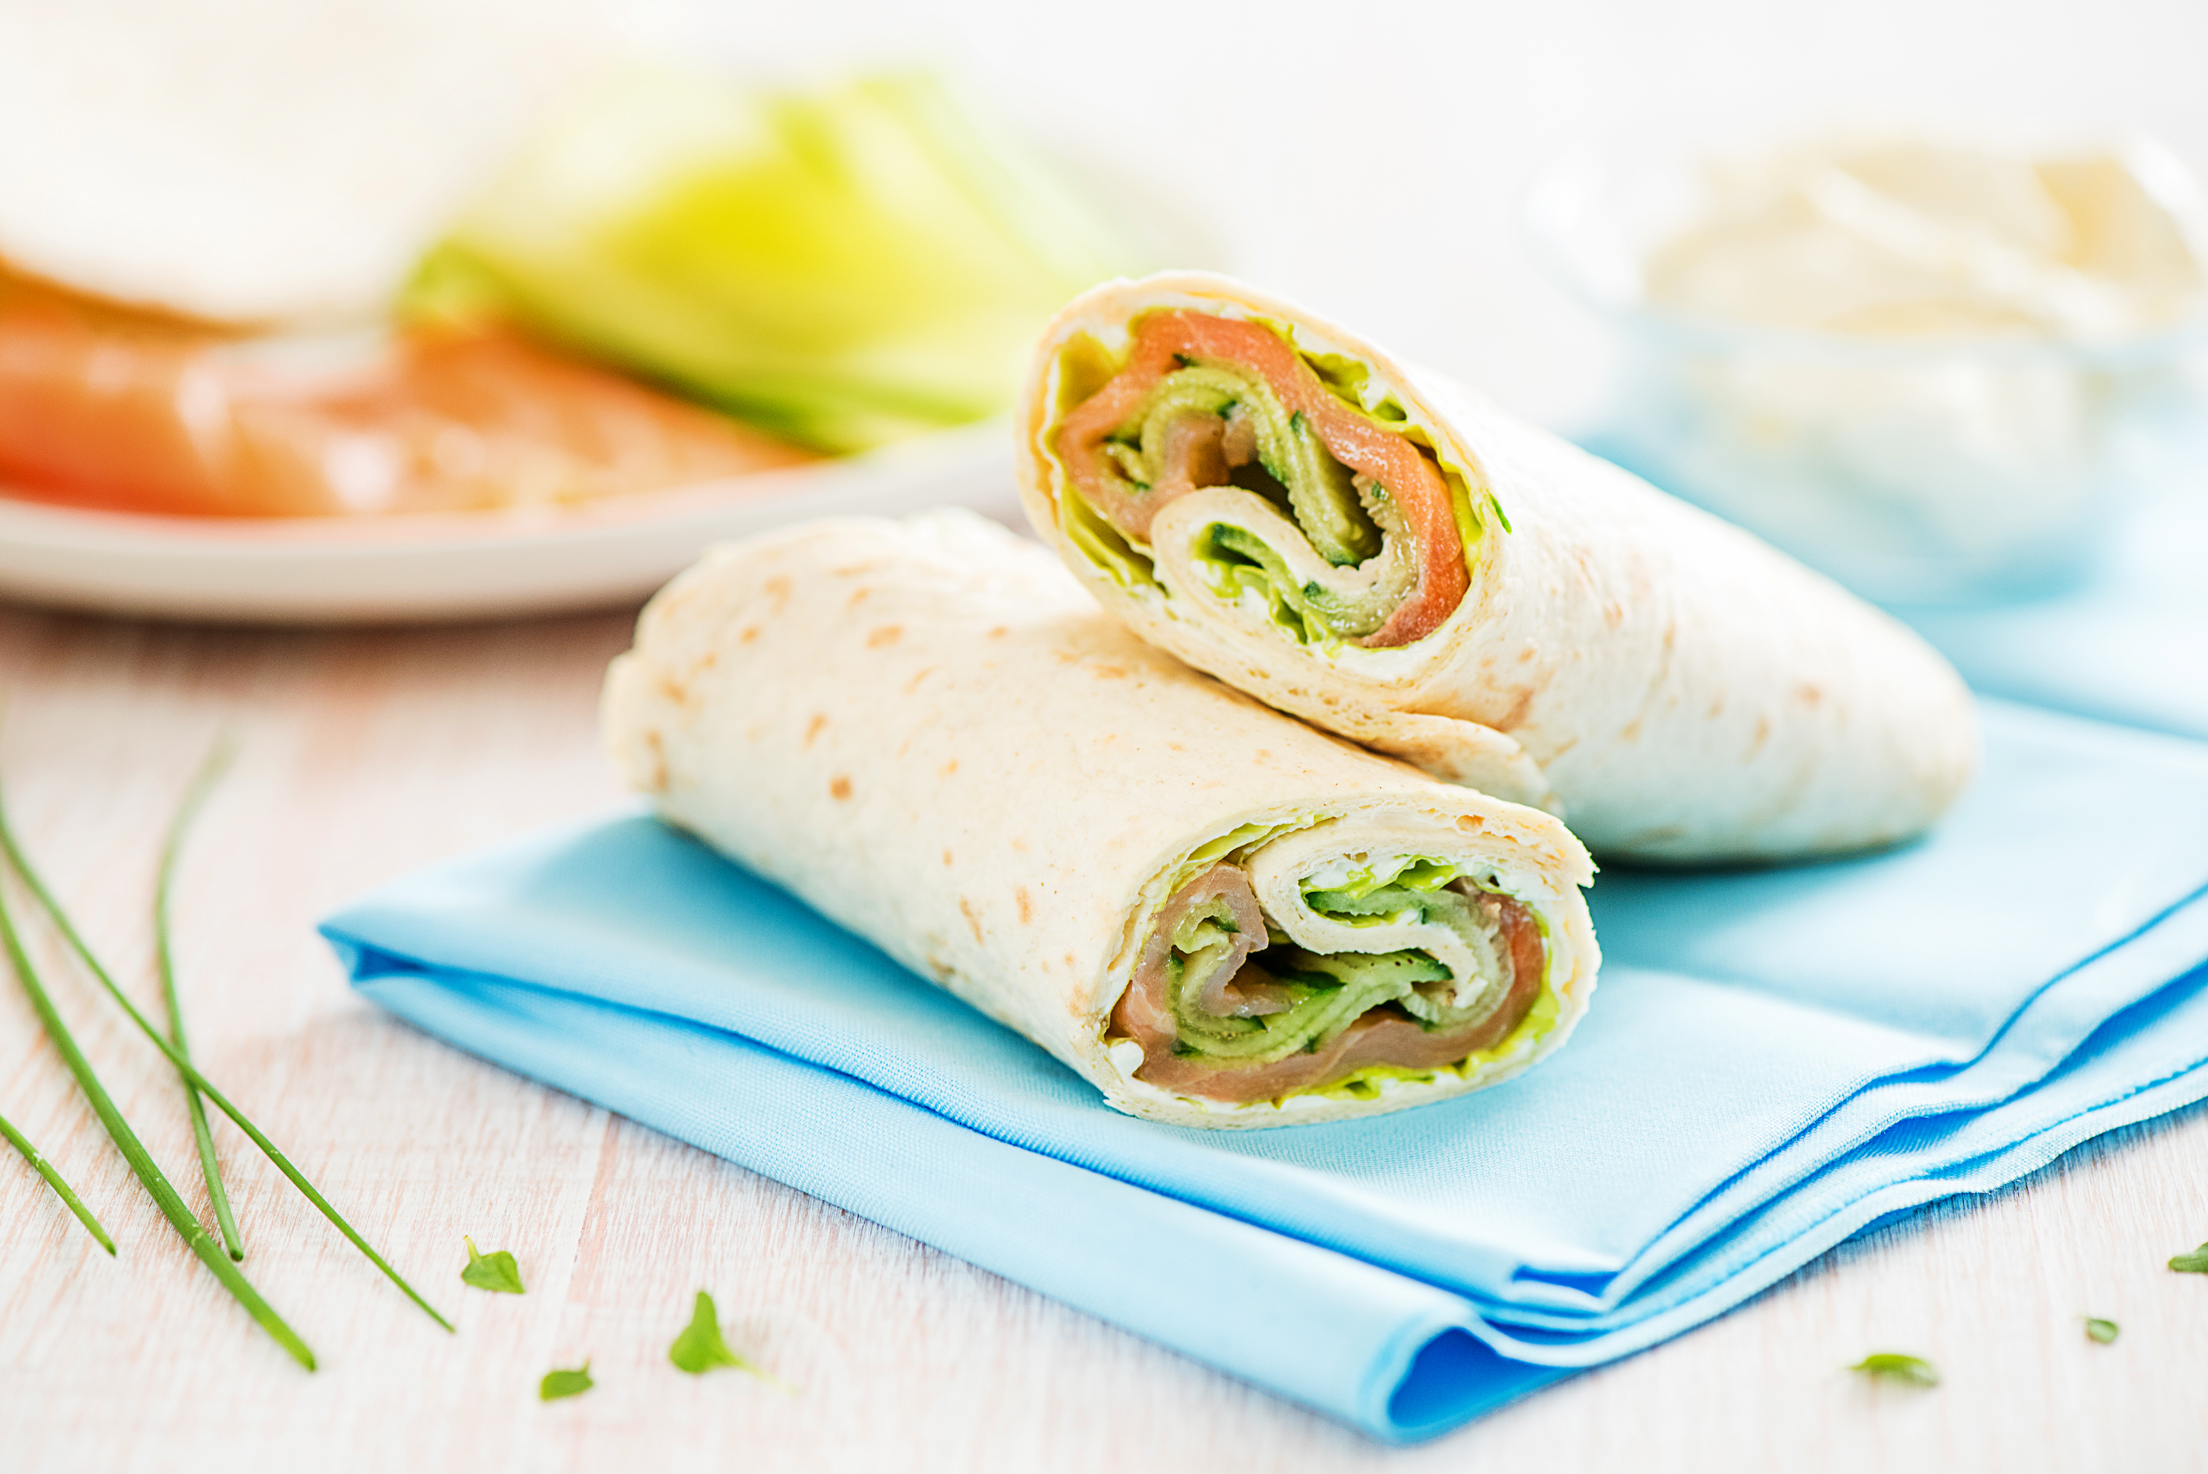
(1218, 915)
(1382, 552)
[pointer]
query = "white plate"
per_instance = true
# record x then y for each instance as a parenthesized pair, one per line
(470, 564)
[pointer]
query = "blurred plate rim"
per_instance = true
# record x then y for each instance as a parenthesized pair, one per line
(456, 565)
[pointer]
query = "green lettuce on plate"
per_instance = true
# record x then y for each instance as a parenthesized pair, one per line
(844, 267)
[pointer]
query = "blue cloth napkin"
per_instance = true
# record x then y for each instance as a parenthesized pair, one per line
(2129, 642)
(1775, 1059)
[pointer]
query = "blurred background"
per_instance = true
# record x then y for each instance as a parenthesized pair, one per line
(1373, 162)
(288, 169)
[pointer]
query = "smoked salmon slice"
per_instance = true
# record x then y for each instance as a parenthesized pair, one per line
(1166, 341)
(103, 406)
(1382, 1036)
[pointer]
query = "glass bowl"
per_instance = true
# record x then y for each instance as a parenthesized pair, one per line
(1915, 470)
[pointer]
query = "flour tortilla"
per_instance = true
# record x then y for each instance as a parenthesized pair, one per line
(928, 732)
(1676, 689)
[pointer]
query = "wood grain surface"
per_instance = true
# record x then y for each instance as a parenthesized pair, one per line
(366, 754)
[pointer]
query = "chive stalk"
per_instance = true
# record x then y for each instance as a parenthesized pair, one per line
(164, 1194)
(189, 1071)
(211, 769)
(62, 1190)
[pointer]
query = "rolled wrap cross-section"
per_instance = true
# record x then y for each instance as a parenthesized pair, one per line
(1382, 552)
(1218, 915)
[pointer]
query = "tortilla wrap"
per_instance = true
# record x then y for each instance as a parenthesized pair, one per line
(1385, 553)
(929, 733)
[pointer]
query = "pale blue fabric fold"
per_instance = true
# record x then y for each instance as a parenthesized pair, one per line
(2128, 642)
(1775, 1059)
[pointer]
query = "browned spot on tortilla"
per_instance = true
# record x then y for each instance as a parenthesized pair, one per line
(858, 597)
(1264, 754)
(1471, 823)
(917, 677)
(1671, 635)
(812, 728)
(839, 786)
(674, 690)
(778, 589)
(1110, 672)
(657, 783)
(946, 859)
(1027, 906)
(1613, 614)
(1808, 695)
(940, 968)
(1763, 735)
(1175, 747)
(750, 633)
(1510, 719)
(1630, 730)
(1069, 959)
(1020, 845)
(999, 632)
(973, 921)
(949, 768)
(887, 634)
(1717, 707)
(1527, 654)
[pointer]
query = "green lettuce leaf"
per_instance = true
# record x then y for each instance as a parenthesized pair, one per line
(557, 1383)
(1326, 992)
(1896, 1366)
(494, 1271)
(701, 1349)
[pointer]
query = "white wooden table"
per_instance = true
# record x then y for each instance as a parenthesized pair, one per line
(368, 754)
